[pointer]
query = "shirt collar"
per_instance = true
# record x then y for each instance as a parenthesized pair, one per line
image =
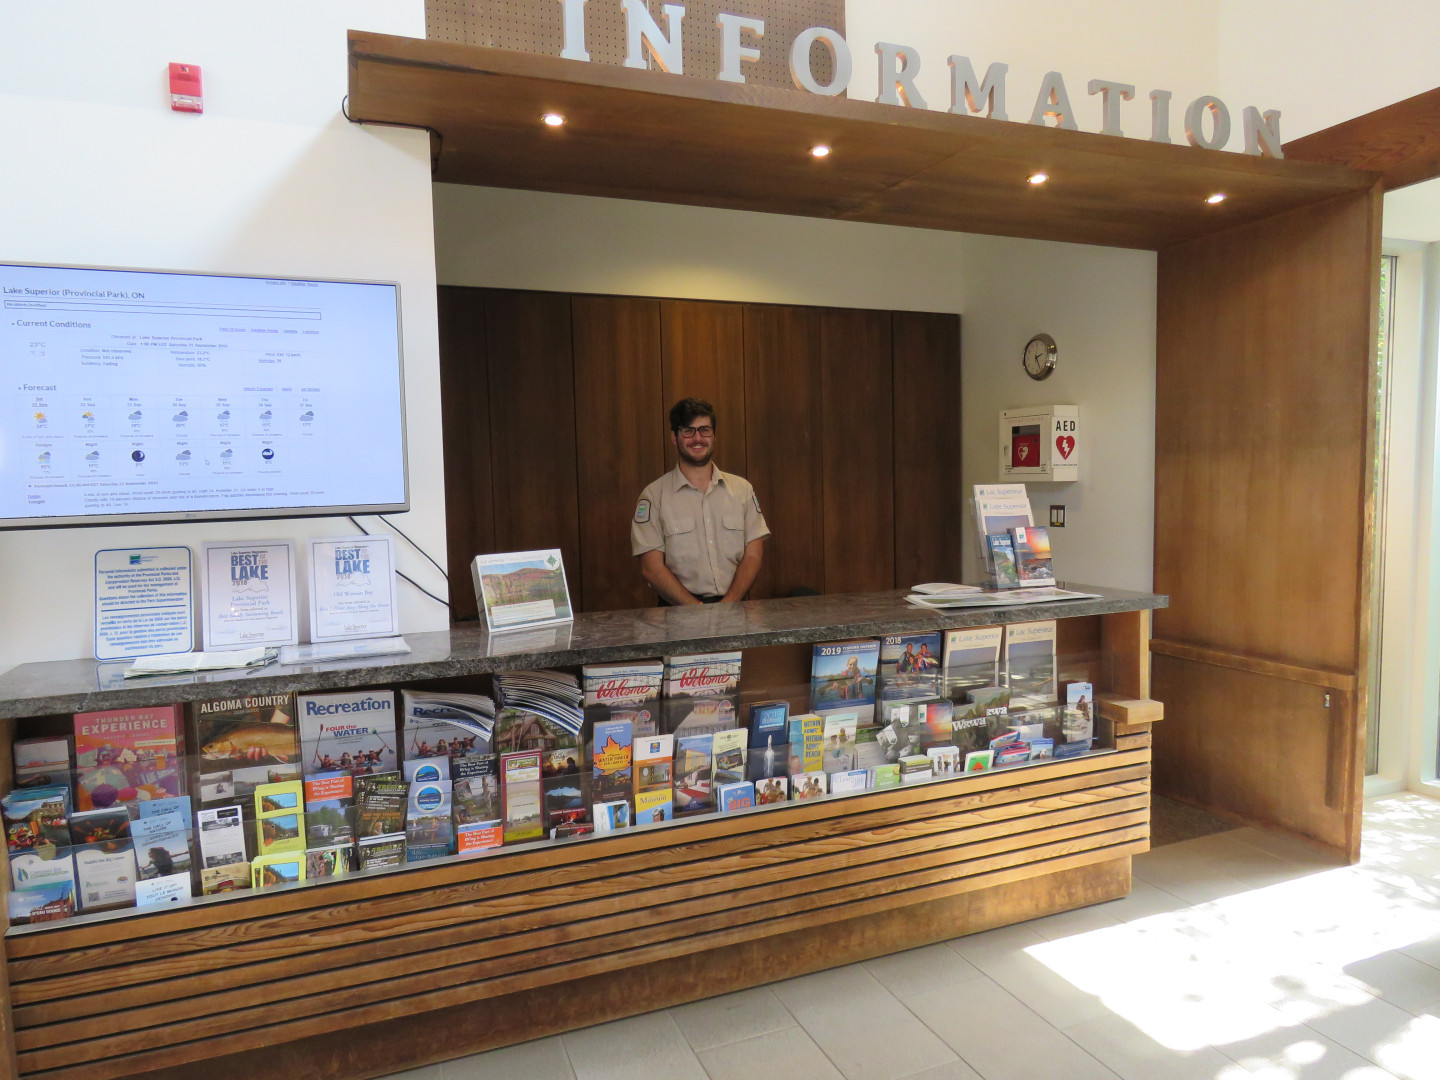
(716, 478)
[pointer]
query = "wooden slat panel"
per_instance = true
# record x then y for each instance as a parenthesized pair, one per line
(712, 932)
(666, 917)
(346, 963)
(1268, 760)
(782, 437)
(360, 920)
(928, 515)
(619, 418)
(702, 344)
(465, 427)
(857, 450)
(532, 426)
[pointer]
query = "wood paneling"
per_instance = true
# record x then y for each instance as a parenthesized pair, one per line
(1401, 142)
(1263, 481)
(928, 514)
(703, 356)
(783, 420)
(857, 440)
(465, 432)
(744, 147)
(155, 993)
(618, 401)
(532, 426)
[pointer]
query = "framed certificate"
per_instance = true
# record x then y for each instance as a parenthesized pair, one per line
(352, 588)
(248, 592)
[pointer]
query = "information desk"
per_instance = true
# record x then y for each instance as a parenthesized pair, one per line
(381, 972)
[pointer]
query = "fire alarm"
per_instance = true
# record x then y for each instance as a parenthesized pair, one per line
(185, 94)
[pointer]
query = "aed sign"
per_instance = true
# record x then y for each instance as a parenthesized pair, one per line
(1041, 443)
(1206, 120)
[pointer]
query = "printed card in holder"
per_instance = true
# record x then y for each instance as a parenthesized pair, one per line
(144, 602)
(248, 592)
(353, 588)
(522, 588)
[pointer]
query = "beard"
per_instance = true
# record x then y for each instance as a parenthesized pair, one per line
(698, 459)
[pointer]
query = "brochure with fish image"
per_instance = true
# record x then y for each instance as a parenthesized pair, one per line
(243, 741)
(842, 678)
(161, 848)
(655, 805)
(612, 816)
(701, 693)
(810, 785)
(693, 771)
(337, 860)
(910, 665)
(772, 790)
(728, 754)
(105, 876)
(44, 761)
(351, 732)
(839, 742)
(42, 904)
(128, 755)
(626, 691)
(272, 871)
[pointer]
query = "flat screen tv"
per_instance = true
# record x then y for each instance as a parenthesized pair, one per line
(148, 396)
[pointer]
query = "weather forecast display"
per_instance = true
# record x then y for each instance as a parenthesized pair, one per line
(138, 394)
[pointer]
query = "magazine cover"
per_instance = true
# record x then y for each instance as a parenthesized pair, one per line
(352, 732)
(629, 691)
(445, 724)
(910, 665)
(126, 756)
(842, 678)
(701, 693)
(243, 741)
(1030, 662)
(1032, 555)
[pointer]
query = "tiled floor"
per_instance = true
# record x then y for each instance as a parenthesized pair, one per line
(1237, 955)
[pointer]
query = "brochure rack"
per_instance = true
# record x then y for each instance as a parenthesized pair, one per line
(384, 972)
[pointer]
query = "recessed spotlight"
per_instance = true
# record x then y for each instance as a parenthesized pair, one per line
(820, 150)
(553, 119)
(1218, 197)
(1037, 178)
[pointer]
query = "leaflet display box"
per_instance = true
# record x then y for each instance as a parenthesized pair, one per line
(1040, 443)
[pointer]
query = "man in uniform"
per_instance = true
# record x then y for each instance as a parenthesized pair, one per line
(698, 532)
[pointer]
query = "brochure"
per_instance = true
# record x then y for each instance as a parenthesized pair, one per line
(522, 588)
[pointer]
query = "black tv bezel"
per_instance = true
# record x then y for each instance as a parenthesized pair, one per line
(171, 517)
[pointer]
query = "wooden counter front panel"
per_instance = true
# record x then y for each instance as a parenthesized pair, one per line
(126, 997)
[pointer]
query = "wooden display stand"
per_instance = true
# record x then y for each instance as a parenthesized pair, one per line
(389, 971)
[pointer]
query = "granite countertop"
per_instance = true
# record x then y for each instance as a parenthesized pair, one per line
(66, 686)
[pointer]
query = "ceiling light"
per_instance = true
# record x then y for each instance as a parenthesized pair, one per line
(1218, 197)
(1038, 178)
(553, 119)
(820, 150)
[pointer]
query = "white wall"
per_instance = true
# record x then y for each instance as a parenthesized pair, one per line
(1098, 303)
(270, 180)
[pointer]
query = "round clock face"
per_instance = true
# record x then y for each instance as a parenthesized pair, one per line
(1040, 355)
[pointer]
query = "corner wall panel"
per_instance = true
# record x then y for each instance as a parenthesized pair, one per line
(618, 404)
(532, 425)
(857, 442)
(783, 418)
(465, 431)
(928, 501)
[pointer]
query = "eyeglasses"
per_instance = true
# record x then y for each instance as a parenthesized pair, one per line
(688, 432)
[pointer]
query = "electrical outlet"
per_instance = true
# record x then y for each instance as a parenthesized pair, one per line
(1057, 517)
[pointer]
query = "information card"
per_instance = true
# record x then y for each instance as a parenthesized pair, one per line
(249, 594)
(352, 588)
(144, 602)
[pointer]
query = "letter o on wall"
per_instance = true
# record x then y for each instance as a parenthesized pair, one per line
(1195, 123)
(839, 55)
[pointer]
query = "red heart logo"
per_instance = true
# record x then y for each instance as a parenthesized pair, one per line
(1023, 451)
(1065, 444)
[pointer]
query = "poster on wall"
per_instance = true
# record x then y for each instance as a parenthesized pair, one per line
(248, 592)
(353, 588)
(144, 602)
(522, 588)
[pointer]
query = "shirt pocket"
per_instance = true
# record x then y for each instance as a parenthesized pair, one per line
(732, 536)
(682, 544)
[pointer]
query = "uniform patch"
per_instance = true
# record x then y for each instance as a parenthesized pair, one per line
(756, 500)
(642, 512)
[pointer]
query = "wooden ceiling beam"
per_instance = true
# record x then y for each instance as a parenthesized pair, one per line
(1401, 142)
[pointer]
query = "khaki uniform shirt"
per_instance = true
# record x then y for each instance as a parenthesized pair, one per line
(703, 533)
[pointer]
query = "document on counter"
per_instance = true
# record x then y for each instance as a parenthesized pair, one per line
(998, 598)
(183, 663)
